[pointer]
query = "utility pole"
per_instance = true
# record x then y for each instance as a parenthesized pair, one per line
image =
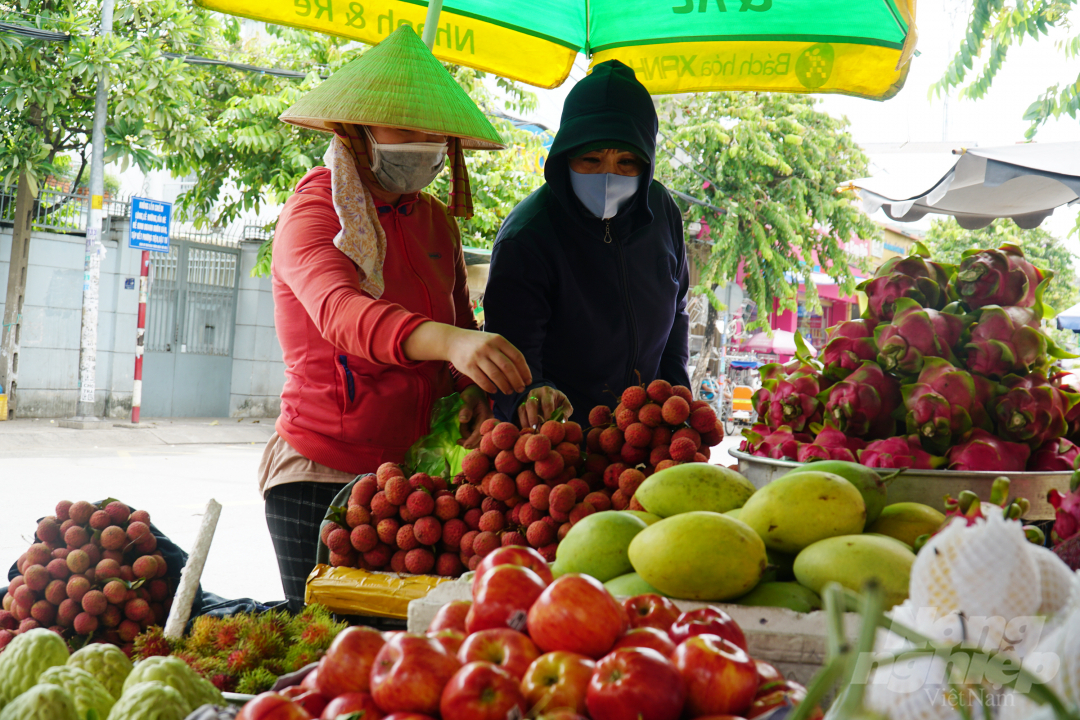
(94, 249)
(16, 291)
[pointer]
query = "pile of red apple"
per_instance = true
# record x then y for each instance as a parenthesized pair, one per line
(530, 646)
(651, 429)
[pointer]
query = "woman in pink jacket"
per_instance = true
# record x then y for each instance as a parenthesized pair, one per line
(370, 297)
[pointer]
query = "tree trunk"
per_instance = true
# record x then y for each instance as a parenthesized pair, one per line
(705, 357)
(16, 292)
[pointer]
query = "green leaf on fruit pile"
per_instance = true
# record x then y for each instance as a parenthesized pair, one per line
(336, 513)
(438, 452)
(105, 503)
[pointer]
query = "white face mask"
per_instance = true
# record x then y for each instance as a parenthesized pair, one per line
(604, 194)
(406, 167)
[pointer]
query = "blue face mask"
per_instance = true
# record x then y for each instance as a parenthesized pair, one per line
(604, 194)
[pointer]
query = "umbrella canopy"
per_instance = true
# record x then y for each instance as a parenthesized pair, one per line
(1069, 319)
(977, 185)
(674, 46)
(782, 342)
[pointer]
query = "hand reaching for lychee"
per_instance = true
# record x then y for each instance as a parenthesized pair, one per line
(490, 360)
(540, 406)
(477, 409)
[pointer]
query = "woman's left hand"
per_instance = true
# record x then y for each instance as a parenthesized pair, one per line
(477, 409)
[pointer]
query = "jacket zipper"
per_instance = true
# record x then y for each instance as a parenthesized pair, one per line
(608, 237)
(349, 382)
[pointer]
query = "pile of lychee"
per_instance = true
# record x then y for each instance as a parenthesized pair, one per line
(520, 487)
(93, 573)
(652, 428)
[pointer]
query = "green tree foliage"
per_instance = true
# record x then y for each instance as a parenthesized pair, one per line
(947, 241)
(772, 163)
(996, 26)
(47, 88)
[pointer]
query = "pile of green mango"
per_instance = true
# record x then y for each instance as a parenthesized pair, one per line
(708, 534)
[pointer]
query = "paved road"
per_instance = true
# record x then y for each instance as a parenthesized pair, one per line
(170, 469)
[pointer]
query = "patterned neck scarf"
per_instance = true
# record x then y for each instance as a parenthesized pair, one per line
(353, 187)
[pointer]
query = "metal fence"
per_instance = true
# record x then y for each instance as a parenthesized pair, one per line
(61, 212)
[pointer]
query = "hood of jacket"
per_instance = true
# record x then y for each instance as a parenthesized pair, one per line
(609, 104)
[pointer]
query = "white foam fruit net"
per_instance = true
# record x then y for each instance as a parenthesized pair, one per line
(984, 587)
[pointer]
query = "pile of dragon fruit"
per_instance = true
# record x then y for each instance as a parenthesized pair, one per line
(948, 369)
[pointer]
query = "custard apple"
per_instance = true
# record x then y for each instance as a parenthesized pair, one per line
(149, 701)
(25, 658)
(175, 672)
(41, 702)
(84, 689)
(105, 662)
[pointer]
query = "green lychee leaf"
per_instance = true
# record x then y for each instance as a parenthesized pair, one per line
(336, 513)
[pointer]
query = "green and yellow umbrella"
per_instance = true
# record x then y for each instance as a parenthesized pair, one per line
(854, 47)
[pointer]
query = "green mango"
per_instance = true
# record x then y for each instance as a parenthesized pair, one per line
(868, 482)
(854, 560)
(790, 595)
(597, 545)
(797, 510)
(693, 487)
(630, 585)
(734, 513)
(648, 518)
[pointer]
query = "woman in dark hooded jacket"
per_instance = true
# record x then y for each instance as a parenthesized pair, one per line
(589, 274)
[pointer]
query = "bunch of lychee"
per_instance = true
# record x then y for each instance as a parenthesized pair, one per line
(652, 428)
(94, 573)
(393, 522)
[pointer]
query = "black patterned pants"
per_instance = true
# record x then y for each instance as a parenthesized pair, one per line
(294, 512)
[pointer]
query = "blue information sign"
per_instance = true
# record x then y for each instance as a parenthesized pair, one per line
(150, 221)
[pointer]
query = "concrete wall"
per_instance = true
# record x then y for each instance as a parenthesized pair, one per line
(48, 373)
(258, 372)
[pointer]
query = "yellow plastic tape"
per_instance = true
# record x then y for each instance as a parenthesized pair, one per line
(800, 67)
(349, 591)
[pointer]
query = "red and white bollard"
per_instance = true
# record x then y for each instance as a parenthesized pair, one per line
(140, 335)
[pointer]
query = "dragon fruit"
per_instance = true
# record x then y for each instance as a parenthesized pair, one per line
(916, 333)
(944, 403)
(1066, 511)
(1032, 410)
(998, 277)
(849, 344)
(1057, 455)
(971, 509)
(912, 277)
(862, 404)
(980, 450)
(763, 441)
(787, 400)
(1005, 340)
(899, 452)
(830, 444)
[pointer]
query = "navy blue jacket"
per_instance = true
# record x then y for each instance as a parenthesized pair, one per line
(593, 305)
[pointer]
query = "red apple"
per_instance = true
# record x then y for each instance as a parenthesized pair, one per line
(313, 702)
(482, 691)
(408, 716)
(353, 703)
(576, 613)
(449, 639)
(558, 681)
(707, 621)
(310, 681)
(272, 706)
(508, 649)
(347, 664)
(769, 678)
(451, 616)
(410, 673)
(766, 704)
(503, 598)
(652, 611)
(636, 684)
(720, 678)
(513, 555)
(292, 692)
(648, 637)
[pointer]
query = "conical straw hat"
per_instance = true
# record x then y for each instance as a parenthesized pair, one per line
(398, 83)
